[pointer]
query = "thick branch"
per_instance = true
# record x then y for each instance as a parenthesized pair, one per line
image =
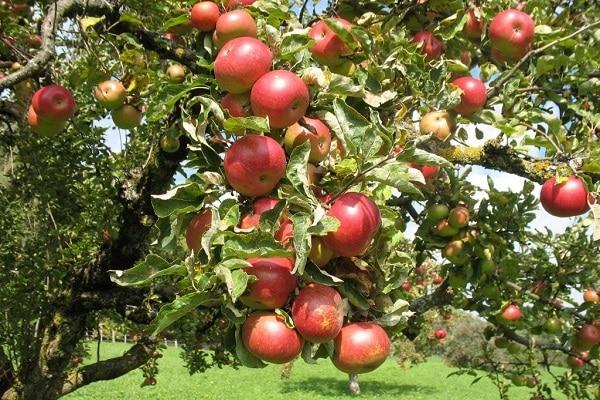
(57, 12)
(500, 84)
(109, 369)
(440, 297)
(525, 341)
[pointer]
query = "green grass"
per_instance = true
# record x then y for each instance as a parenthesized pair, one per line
(322, 381)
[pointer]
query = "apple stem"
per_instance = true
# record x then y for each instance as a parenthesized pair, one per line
(353, 384)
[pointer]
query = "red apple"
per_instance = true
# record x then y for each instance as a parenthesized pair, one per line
(474, 25)
(437, 123)
(53, 102)
(360, 220)
(232, 4)
(234, 24)
(588, 336)
(280, 96)
(360, 347)
(577, 362)
(240, 63)
(473, 97)
(406, 286)
(437, 279)
(318, 313)
(320, 139)
(274, 283)
(440, 334)
(35, 41)
(566, 199)
(111, 94)
(328, 48)
(512, 312)
(430, 45)
(266, 336)
(176, 73)
(511, 33)
(320, 254)
(196, 228)
(459, 217)
(46, 127)
(430, 172)
(283, 234)
(238, 105)
(126, 117)
(204, 16)
(591, 296)
(254, 165)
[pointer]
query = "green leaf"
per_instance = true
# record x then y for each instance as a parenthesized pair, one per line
(253, 124)
(176, 21)
(342, 32)
(324, 226)
(152, 267)
(250, 245)
(179, 200)
(307, 353)
(130, 19)
(395, 175)
(302, 242)
(412, 154)
(90, 21)
(270, 218)
(316, 274)
(354, 296)
(246, 358)
(287, 319)
(236, 280)
(169, 313)
(292, 43)
(230, 209)
(346, 167)
(353, 126)
(297, 169)
(344, 86)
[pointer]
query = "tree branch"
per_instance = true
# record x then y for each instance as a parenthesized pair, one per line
(7, 374)
(525, 341)
(57, 12)
(439, 297)
(500, 84)
(112, 368)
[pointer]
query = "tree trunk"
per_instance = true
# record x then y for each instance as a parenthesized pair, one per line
(353, 384)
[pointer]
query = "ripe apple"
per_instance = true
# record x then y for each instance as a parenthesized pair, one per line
(320, 254)
(575, 362)
(196, 228)
(240, 63)
(274, 283)
(474, 25)
(440, 334)
(512, 312)
(436, 212)
(565, 199)
(204, 16)
(126, 117)
(34, 41)
(328, 48)
(454, 252)
(232, 4)
(511, 33)
(53, 102)
(234, 24)
(176, 73)
(406, 286)
(238, 105)
(430, 172)
(438, 123)
(254, 165)
(444, 229)
(430, 45)
(318, 313)
(360, 220)
(111, 94)
(280, 96)
(360, 347)
(46, 127)
(459, 217)
(437, 279)
(266, 336)
(320, 139)
(588, 336)
(473, 97)
(169, 144)
(285, 231)
(591, 296)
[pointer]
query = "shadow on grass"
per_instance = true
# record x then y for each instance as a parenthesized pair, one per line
(337, 387)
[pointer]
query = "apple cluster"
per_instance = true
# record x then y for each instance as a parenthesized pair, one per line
(254, 165)
(51, 107)
(112, 95)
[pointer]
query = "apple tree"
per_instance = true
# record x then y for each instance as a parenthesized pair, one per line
(273, 156)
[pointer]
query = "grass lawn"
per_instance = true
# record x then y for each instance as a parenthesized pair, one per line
(321, 381)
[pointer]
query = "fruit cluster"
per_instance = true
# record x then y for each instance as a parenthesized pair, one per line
(112, 95)
(254, 165)
(51, 107)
